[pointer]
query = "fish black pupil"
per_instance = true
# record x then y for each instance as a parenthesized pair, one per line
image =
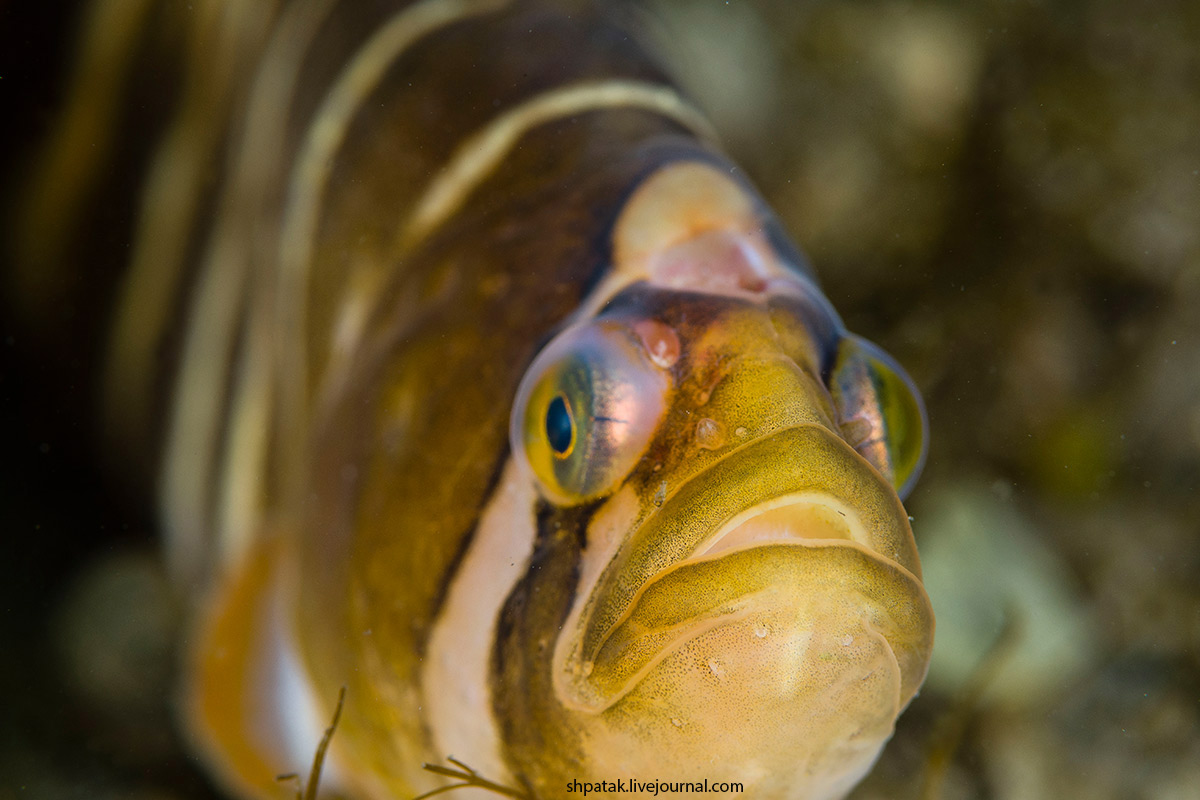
(558, 425)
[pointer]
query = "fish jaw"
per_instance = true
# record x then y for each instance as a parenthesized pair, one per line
(783, 666)
(766, 624)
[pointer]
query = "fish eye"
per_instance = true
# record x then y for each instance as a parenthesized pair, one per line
(586, 411)
(880, 411)
(560, 429)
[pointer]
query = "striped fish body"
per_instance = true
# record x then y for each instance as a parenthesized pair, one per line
(501, 401)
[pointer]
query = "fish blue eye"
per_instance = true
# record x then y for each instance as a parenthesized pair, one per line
(559, 427)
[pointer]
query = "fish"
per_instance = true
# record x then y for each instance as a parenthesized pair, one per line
(483, 387)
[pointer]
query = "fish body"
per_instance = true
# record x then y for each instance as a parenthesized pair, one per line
(501, 400)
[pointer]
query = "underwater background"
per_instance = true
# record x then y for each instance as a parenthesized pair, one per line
(1005, 194)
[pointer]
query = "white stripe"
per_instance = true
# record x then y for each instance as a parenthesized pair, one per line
(457, 665)
(242, 475)
(289, 715)
(484, 151)
(192, 432)
(169, 205)
(191, 444)
(311, 173)
(168, 202)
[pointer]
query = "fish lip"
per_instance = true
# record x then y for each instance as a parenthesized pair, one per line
(787, 513)
(857, 529)
(649, 647)
(725, 543)
(870, 506)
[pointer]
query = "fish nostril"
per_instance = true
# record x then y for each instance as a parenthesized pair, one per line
(660, 340)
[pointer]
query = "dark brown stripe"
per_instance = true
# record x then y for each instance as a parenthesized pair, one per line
(521, 683)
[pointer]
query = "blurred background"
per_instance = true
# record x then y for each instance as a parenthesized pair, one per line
(1004, 194)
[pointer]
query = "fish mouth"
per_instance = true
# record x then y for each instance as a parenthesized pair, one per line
(796, 521)
(800, 518)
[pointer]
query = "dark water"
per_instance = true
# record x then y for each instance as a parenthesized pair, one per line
(1004, 194)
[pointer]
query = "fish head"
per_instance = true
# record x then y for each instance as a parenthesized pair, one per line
(725, 583)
